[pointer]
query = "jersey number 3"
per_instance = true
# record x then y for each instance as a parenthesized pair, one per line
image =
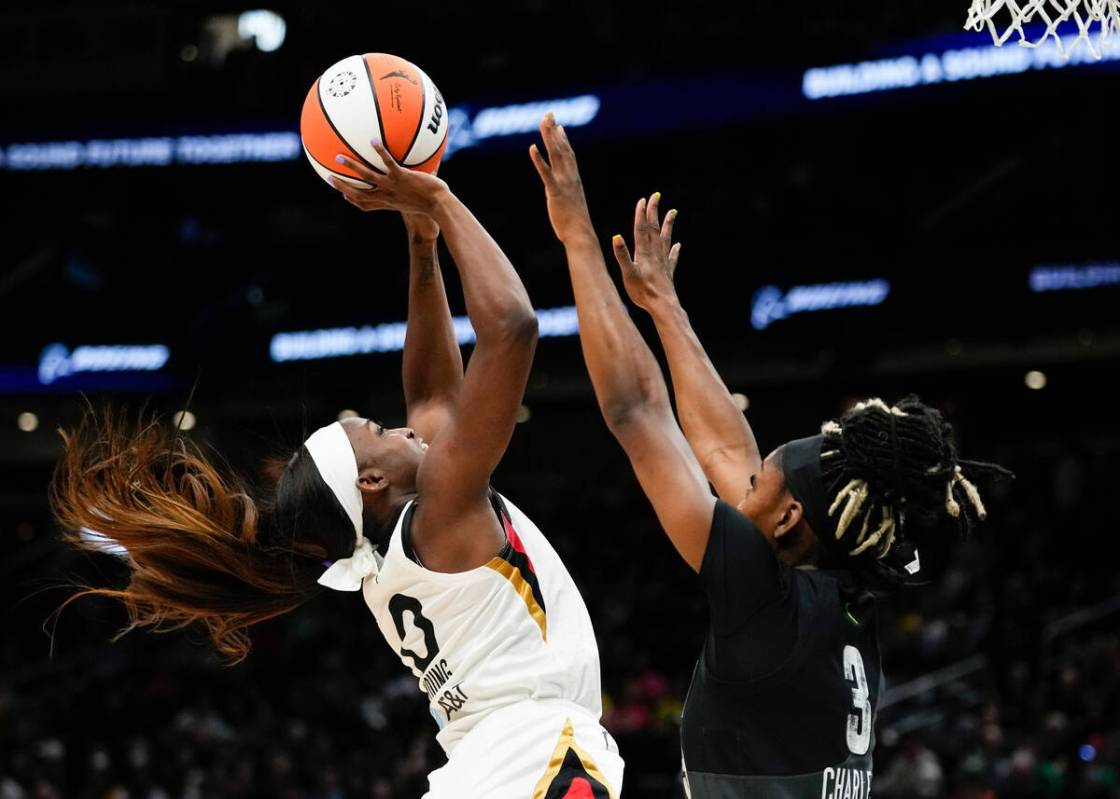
(398, 606)
(859, 720)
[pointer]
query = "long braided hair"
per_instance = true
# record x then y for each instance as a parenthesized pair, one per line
(883, 465)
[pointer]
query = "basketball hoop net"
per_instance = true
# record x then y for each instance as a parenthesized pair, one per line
(1096, 21)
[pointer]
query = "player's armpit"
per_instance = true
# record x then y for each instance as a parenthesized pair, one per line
(454, 478)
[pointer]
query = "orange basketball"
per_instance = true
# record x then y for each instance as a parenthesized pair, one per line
(373, 97)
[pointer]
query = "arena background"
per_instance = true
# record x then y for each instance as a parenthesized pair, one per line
(155, 195)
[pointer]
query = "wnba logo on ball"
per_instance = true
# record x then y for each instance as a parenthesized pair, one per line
(400, 73)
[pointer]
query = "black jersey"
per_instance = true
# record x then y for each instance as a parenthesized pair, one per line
(783, 697)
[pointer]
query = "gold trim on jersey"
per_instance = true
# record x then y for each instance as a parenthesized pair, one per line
(568, 742)
(523, 589)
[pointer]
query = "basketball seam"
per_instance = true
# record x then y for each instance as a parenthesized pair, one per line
(377, 108)
(329, 169)
(337, 132)
(434, 152)
(420, 120)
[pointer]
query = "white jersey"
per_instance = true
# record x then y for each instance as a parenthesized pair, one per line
(514, 629)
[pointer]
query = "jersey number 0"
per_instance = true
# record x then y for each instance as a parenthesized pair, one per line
(400, 604)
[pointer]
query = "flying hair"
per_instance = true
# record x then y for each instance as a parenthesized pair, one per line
(883, 463)
(202, 548)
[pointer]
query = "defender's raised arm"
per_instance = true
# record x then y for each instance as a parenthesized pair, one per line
(715, 428)
(628, 382)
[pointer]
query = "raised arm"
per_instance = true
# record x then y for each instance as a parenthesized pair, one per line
(628, 383)
(432, 370)
(455, 528)
(716, 429)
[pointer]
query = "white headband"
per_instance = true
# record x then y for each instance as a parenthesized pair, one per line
(334, 458)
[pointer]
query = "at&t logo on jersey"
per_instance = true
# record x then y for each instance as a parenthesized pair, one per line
(450, 700)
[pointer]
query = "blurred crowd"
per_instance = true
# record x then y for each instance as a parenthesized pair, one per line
(1015, 639)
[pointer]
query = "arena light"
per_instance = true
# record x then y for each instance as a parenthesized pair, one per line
(771, 304)
(1066, 277)
(58, 361)
(184, 420)
(340, 342)
(1035, 380)
(28, 422)
(266, 28)
(742, 402)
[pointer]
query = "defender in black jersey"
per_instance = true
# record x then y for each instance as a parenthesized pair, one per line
(783, 697)
(794, 551)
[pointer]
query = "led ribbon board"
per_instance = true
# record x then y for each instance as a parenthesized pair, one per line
(1070, 277)
(620, 110)
(941, 64)
(57, 361)
(771, 304)
(467, 128)
(339, 342)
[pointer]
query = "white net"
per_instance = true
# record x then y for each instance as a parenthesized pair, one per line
(1093, 21)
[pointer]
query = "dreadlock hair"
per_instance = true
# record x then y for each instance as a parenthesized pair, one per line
(199, 546)
(882, 465)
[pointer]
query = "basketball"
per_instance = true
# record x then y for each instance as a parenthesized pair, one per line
(373, 97)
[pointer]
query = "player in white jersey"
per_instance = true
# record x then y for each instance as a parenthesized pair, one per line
(464, 587)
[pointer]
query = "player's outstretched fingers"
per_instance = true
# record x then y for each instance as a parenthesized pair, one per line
(674, 256)
(639, 219)
(667, 226)
(542, 166)
(391, 165)
(560, 154)
(365, 199)
(651, 210)
(347, 190)
(622, 254)
(548, 132)
(364, 172)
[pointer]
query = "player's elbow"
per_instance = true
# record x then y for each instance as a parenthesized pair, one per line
(521, 326)
(619, 413)
(627, 413)
(514, 328)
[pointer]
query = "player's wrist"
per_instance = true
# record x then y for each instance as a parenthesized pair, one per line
(441, 201)
(421, 240)
(422, 230)
(665, 306)
(578, 234)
